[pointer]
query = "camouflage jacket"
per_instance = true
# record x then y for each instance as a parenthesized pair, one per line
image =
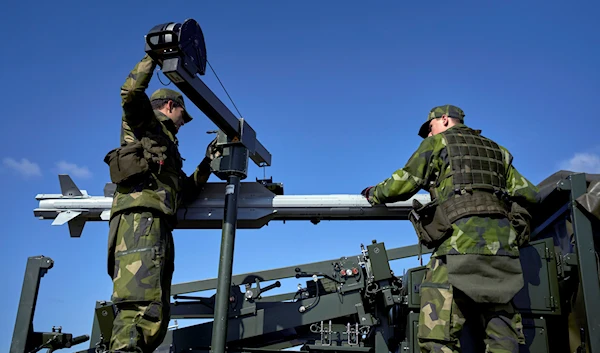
(472, 234)
(167, 187)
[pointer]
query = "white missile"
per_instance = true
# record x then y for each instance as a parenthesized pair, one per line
(257, 206)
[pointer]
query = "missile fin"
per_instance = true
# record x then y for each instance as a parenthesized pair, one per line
(76, 227)
(109, 190)
(67, 186)
(105, 215)
(65, 217)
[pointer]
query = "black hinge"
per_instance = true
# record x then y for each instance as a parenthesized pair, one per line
(550, 302)
(548, 254)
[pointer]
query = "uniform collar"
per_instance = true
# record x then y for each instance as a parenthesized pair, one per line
(458, 126)
(462, 126)
(168, 123)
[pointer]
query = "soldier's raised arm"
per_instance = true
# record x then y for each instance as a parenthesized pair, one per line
(408, 180)
(521, 190)
(134, 100)
(195, 182)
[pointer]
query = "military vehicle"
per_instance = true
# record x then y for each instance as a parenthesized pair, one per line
(354, 303)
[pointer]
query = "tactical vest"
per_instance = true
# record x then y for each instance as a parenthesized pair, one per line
(152, 153)
(147, 170)
(478, 186)
(478, 176)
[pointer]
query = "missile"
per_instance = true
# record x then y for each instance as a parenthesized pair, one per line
(257, 206)
(74, 206)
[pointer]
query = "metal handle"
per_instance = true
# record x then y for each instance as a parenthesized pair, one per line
(164, 36)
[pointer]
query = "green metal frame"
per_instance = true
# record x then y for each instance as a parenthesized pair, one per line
(25, 339)
(587, 259)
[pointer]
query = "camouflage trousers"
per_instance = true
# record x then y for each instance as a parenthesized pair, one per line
(445, 309)
(141, 264)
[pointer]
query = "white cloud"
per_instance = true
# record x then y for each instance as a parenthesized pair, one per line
(25, 167)
(583, 162)
(73, 170)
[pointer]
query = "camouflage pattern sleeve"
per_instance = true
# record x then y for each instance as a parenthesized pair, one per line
(407, 181)
(521, 190)
(194, 183)
(136, 104)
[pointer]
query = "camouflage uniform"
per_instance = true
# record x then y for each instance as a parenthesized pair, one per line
(476, 263)
(143, 215)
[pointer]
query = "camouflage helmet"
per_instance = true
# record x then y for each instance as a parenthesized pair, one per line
(437, 112)
(165, 93)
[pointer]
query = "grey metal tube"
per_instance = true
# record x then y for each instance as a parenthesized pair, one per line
(220, 325)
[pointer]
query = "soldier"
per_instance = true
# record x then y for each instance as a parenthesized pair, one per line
(475, 223)
(151, 186)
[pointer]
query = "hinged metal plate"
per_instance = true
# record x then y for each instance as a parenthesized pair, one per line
(414, 277)
(540, 293)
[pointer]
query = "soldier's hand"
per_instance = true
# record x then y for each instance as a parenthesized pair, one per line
(368, 194)
(212, 151)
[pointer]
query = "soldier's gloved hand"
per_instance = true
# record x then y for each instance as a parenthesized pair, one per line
(368, 194)
(212, 151)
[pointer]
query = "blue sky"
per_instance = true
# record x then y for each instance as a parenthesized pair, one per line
(335, 90)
